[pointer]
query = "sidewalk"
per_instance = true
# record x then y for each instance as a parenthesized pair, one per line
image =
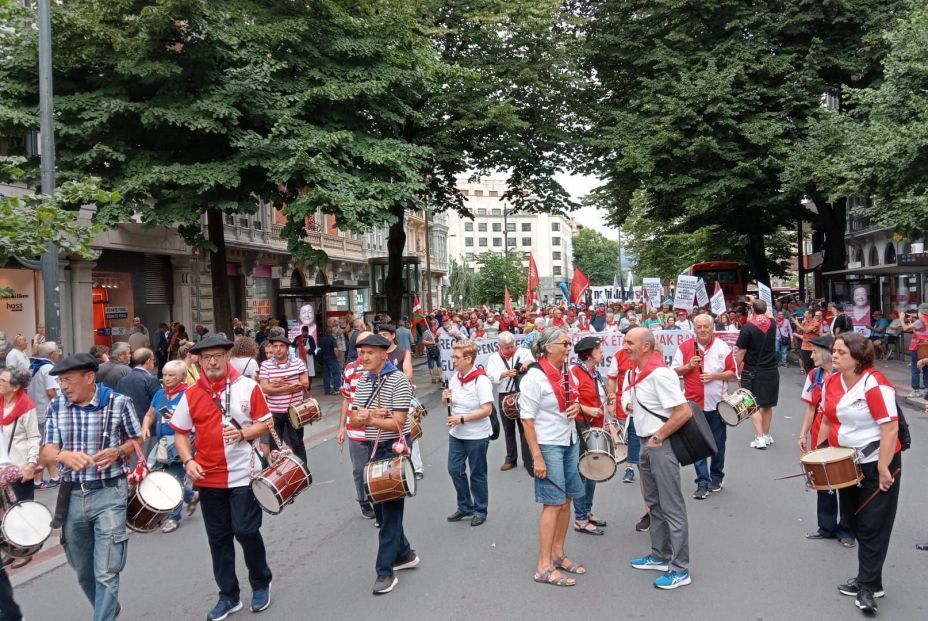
(897, 371)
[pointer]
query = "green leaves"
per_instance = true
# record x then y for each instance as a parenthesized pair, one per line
(497, 272)
(596, 256)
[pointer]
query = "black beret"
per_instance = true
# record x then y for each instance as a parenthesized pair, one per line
(279, 338)
(211, 341)
(824, 340)
(77, 362)
(587, 343)
(387, 327)
(374, 340)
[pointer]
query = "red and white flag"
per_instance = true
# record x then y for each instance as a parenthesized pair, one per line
(510, 313)
(417, 315)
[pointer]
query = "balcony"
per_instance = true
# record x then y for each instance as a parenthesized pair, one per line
(337, 246)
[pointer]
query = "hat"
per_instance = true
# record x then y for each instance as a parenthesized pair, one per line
(387, 327)
(374, 340)
(279, 338)
(213, 341)
(587, 343)
(825, 341)
(77, 362)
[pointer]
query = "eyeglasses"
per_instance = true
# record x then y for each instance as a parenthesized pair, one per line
(563, 343)
(207, 358)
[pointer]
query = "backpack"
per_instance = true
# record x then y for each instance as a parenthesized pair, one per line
(905, 436)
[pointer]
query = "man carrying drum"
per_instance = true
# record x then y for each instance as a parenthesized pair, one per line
(90, 432)
(358, 450)
(503, 369)
(381, 406)
(227, 412)
(284, 380)
(706, 363)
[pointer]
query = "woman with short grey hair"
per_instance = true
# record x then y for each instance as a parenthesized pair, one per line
(19, 428)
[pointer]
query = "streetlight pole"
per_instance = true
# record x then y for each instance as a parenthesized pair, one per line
(49, 261)
(428, 263)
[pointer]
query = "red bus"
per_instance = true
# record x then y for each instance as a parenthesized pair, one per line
(727, 273)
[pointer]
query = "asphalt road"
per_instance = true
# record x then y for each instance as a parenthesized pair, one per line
(749, 559)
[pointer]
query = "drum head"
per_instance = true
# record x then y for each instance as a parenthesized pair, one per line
(409, 475)
(728, 414)
(27, 523)
(266, 495)
(597, 466)
(827, 455)
(161, 491)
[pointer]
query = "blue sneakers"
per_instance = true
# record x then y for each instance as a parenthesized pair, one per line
(629, 476)
(651, 562)
(223, 609)
(673, 579)
(261, 598)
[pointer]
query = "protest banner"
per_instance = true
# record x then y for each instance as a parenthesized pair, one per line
(686, 292)
(702, 296)
(763, 292)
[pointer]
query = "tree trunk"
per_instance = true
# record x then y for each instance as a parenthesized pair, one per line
(757, 257)
(833, 219)
(396, 243)
(222, 309)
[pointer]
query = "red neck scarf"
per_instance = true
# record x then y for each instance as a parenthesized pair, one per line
(21, 404)
(471, 375)
(761, 321)
(170, 394)
(656, 361)
(556, 379)
(215, 388)
(505, 357)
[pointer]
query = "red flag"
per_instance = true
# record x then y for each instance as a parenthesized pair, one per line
(533, 280)
(510, 314)
(417, 316)
(578, 286)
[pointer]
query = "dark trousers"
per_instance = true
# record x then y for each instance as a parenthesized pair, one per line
(392, 545)
(509, 429)
(290, 435)
(837, 504)
(331, 375)
(229, 515)
(715, 473)
(875, 524)
(9, 609)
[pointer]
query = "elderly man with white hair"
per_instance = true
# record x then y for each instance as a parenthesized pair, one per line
(531, 337)
(17, 357)
(504, 368)
(117, 367)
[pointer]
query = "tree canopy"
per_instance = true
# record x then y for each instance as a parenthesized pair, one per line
(496, 273)
(596, 256)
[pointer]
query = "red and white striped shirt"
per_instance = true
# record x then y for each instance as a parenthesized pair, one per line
(856, 412)
(288, 371)
(350, 376)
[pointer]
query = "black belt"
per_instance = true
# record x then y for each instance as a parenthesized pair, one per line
(94, 485)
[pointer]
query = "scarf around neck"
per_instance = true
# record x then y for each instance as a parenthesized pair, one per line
(471, 375)
(556, 379)
(656, 361)
(761, 321)
(21, 404)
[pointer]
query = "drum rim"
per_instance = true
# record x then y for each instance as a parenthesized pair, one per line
(264, 482)
(850, 453)
(23, 503)
(157, 474)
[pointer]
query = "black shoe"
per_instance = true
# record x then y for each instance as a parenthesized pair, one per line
(478, 520)
(701, 493)
(850, 588)
(407, 563)
(644, 524)
(457, 516)
(420, 476)
(384, 584)
(367, 512)
(818, 534)
(866, 602)
(716, 486)
(921, 546)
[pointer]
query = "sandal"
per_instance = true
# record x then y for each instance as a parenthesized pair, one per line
(569, 566)
(20, 562)
(847, 542)
(595, 521)
(588, 529)
(547, 577)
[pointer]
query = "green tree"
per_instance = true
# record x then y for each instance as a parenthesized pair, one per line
(496, 273)
(462, 292)
(596, 256)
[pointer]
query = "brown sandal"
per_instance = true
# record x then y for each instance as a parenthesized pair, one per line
(547, 577)
(569, 566)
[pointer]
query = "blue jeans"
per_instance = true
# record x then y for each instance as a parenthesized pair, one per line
(563, 481)
(583, 507)
(392, 545)
(473, 496)
(918, 374)
(95, 543)
(782, 351)
(331, 375)
(177, 469)
(715, 474)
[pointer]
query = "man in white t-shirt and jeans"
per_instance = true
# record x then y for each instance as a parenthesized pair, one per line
(655, 389)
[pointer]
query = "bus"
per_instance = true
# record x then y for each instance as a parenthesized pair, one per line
(727, 273)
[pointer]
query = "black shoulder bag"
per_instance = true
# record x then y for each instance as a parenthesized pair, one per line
(694, 440)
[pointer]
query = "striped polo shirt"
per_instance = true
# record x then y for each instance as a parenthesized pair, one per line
(394, 394)
(290, 370)
(350, 376)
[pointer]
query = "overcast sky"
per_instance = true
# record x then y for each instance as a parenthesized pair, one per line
(579, 186)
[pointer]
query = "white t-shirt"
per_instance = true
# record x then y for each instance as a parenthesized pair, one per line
(538, 402)
(468, 398)
(246, 366)
(496, 366)
(660, 392)
(38, 389)
(17, 359)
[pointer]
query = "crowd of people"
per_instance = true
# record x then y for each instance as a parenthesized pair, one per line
(220, 412)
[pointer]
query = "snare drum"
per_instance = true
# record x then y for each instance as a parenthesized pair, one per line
(305, 412)
(152, 501)
(833, 467)
(417, 410)
(280, 483)
(389, 479)
(24, 528)
(511, 406)
(598, 463)
(737, 406)
(616, 431)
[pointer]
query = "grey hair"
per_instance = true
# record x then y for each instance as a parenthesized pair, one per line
(44, 350)
(547, 338)
(119, 349)
(19, 378)
(539, 323)
(701, 317)
(506, 338)
(175, 366)
(824, 354)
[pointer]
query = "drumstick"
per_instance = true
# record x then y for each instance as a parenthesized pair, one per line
(789, 476)
(875, 492)
(560, 489)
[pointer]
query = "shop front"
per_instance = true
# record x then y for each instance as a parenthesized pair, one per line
(126, 285)
(19, 306)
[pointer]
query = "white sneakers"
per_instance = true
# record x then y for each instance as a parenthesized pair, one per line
(768, 439)
(758, 443)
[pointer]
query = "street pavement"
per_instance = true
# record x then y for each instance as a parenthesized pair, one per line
(749, 559)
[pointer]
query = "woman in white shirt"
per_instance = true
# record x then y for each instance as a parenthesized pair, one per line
(19, 428)
(548, 406)
(244, 354)
(470, 395)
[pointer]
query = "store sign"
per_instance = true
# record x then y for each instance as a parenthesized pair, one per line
(920, 258)
(116, 312)
(17, 302)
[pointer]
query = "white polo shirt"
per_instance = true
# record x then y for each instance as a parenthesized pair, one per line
(660, 392)
(496, 366)
(538, 402)
(467, 398)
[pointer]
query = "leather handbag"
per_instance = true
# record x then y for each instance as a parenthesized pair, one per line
(694, 440)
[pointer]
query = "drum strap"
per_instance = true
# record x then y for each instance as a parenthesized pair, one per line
(9, 444)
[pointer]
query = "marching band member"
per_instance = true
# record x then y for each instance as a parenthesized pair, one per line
(552, 437)
(470, 395)
(827, 508)
(90, 432)
(357, 440)
(593, 404)
(381, 406)
(402, 360)
(503, 369)
(227, 412)
(860, 412)
(284, 380)
(652, 387)
(706, 363)
(19, 428)
(756, 350)
(9, 609)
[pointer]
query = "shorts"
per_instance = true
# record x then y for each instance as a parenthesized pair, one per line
(562, 463)
(634, 443)
(434, 362)
(764, 384)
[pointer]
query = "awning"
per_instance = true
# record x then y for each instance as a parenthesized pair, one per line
(316, 290)
(879, 270)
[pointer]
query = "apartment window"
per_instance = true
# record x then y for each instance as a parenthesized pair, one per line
(469, 256)
(482, 227)
(497, 242)
(526, 227)
(481, 212)
(478, 192)
(483, 242)
(462, 192)
(556, 256)
(496, 212)
(556, 241)
(494, 193)
(557, 270)
(511, 242)
(468, 241)
(469, 226)
(526, 241)
(555, 226)
(497, 227)
(511, 227)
